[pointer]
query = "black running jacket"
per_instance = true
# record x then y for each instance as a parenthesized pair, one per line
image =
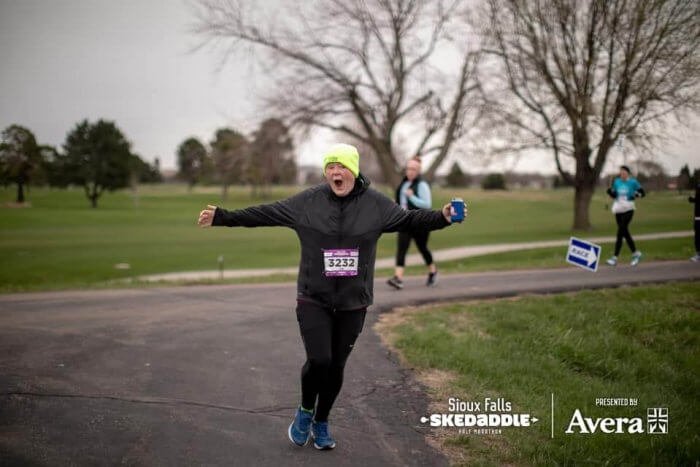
(323, 221)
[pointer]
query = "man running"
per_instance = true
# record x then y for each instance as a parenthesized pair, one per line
(413, 193)
(624, 190)
(338, 224)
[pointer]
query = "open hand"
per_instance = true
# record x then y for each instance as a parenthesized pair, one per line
(206, 216)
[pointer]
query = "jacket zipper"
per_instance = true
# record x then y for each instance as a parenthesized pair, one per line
(340, 240)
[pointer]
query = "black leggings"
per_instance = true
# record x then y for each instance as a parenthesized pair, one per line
(421, 238)
(623, 220)
(328, 339)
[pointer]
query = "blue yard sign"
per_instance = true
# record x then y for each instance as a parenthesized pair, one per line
(583, 254)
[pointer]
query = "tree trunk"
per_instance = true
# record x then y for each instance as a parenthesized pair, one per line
(392, 179)
(92, 193)
(387, 163)
(20, 192)
(582, 202)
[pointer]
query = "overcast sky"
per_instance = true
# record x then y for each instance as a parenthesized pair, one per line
(131, 61)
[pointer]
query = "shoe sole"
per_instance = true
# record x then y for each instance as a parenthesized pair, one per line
(396, 286)
(322, 448)
(289, 433)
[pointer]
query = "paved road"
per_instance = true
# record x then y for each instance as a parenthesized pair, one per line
(445, 254)
(210, 374)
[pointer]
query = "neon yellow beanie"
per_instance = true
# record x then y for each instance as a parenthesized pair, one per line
(344, 154)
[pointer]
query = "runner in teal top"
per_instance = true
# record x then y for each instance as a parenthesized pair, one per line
(624, 190)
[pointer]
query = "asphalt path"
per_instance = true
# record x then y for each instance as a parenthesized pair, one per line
(209, 375)
(413, 259)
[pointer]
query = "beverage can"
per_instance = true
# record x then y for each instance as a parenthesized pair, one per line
(458, 205)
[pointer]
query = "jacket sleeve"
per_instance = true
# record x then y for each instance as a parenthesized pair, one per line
(280, 213)
(395, 218)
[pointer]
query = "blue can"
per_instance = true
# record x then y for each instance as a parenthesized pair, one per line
(458, 206)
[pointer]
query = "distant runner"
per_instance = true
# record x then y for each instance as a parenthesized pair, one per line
(413, 193)
(694, 199)
(624, 190)
(338, 223)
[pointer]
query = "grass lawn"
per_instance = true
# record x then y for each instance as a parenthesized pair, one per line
(640, 342)
(60, 242)
(652, 250)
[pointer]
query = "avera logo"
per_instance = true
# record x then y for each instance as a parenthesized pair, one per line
(657, 420)
(589, 425)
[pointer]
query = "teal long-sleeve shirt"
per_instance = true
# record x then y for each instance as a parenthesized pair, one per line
(626, 190)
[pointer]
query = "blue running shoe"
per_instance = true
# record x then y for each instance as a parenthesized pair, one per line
(300, 428)
(319, 432)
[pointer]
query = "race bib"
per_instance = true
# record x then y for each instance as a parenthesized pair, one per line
(622, 205)
(341, 262)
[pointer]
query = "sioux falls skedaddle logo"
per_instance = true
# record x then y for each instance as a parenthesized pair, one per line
(481, 417)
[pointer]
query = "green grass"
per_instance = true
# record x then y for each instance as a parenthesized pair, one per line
(667, 249)
(60, 242)
(637, 342)
(652, 250)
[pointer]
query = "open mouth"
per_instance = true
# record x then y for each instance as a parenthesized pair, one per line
(338, 183)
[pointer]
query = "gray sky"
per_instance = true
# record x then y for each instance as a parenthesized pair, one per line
(130, 61)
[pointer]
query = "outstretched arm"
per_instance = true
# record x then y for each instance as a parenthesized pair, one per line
(280, 213)
(396, 218)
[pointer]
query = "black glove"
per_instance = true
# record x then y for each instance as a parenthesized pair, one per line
(640, 193)
(611, 193)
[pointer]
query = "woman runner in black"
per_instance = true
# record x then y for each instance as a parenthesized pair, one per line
(413, 193)
(338, 224)
(696, 224)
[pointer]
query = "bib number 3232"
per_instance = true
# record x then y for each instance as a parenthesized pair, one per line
(341, 262)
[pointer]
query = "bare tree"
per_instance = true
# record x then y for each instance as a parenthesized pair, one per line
(369, 163)
(576, 76)
(370, 60)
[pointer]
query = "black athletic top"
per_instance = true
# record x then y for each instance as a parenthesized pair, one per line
(323, 220)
